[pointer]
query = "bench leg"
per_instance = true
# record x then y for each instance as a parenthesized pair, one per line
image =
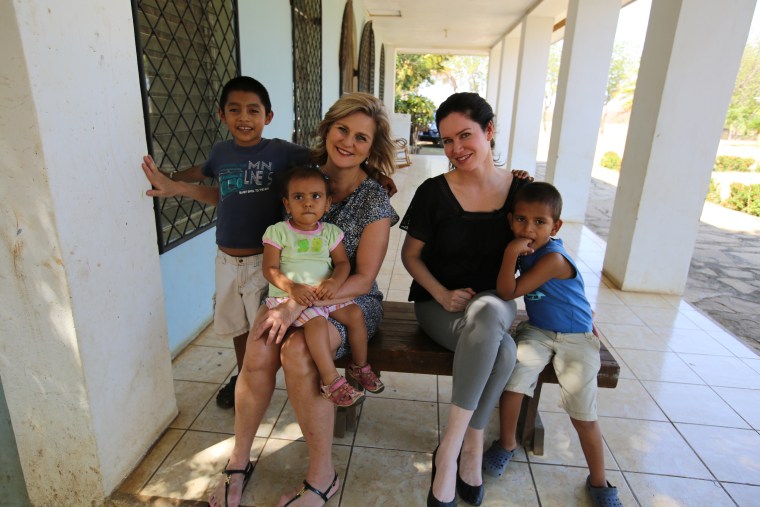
(339, 429)
(530, 430)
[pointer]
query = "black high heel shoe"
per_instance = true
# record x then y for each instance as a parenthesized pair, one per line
(432, 501)
(473, 495)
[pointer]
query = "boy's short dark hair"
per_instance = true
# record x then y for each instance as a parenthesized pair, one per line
(543, 193)
(245, 84)
(302, 172)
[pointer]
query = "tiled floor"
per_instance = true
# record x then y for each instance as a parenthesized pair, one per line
(681, 428)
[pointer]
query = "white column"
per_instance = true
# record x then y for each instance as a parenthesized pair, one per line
(586, 54)
(532, 68)
(494, 70)
(84, 357)
(505, 102)
(690, 60)
(389, 98)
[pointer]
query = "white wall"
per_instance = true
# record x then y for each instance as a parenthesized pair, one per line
(332, 17)
(266, 53)
(84, 356)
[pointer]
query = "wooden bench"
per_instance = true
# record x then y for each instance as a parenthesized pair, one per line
(400, 345)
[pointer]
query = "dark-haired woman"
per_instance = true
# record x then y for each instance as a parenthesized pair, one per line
(456, 234)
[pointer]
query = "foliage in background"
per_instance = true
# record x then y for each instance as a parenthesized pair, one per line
(611, 160)
(552, 77)
(413, 70)
(728, 163)
(713, 193)
(465, 73)
(744, 198)
(743, 117)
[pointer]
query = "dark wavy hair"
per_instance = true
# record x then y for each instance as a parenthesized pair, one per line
(542, 193)
(245, 84)
(302, 172)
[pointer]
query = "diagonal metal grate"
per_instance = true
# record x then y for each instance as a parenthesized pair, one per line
(307, 69)
(367, 59)
(187, 50)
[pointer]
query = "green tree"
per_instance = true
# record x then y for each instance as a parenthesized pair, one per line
(552, 77)
(412, 70)
(743, 115)
(466, 73)
(420, 108)
(624, 69)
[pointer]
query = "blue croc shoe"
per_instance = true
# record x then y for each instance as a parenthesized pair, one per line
(603, 497)
(496, 459)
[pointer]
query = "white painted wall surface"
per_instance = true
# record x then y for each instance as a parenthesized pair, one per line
(494, 68)
(332, 17)
(266, 53)
(84, 307)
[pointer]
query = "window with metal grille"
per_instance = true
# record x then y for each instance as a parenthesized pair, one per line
(381, 77)
(367, 59)
(187, 50)
(307, 69)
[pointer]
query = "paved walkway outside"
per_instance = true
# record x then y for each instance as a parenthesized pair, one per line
(724, 278)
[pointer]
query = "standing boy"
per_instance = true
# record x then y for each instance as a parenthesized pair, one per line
(247, 203)
(559, 329)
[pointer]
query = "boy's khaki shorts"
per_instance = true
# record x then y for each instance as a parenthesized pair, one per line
(576, 360)
(240, 288)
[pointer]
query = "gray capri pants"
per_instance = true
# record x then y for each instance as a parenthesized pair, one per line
(484, 351)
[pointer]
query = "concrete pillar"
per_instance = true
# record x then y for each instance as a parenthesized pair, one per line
(389, 98)
(84, 357)
(505, 103)
(532, 66)
(691, 56)
(494, 70)
(586, 54)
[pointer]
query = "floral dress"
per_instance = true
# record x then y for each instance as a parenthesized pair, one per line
(367, 204)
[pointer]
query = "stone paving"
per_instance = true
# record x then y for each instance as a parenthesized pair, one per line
(724, 278)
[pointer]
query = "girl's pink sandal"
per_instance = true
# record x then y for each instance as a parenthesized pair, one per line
(341, 393)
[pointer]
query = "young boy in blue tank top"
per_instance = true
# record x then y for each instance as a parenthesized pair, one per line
(559, 329)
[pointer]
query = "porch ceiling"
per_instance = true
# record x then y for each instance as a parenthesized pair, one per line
(453, 26)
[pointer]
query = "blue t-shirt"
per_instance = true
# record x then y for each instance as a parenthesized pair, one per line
(249, 197)
(558, 305)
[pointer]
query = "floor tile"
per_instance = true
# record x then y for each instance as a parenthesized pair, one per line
(287, 428)
(643, 299)
(723, 371)
(733, 344)
(731, 454)
(192, 397)
(222, 420)
(407, 386)
(743, 495)
(651, 447)
(664, 317)
(666, 491)
(398, 424)
(753, 363)
(632, 337)
(444, 389)
(204, 364)
(191, 470)
(566, 486)
(678, 403)
(746, 402)
(615, 314)
(662, 366)
(694, 341)
(208, 338)
(282, 467)
(404, 480)
(513, 489)
(602, 295)
(628, 400)
(561, 444)
(151, 462)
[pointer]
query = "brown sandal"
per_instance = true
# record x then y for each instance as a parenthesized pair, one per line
(367, 378)
(341, 393)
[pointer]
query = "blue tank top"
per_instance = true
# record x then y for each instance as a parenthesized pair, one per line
(558, 305)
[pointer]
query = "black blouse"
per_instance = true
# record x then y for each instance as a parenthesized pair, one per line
(462, 248)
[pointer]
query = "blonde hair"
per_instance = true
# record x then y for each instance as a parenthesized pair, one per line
(383, 153)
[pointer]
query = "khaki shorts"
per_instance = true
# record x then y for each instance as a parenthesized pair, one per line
(575, 357)
(240, 288)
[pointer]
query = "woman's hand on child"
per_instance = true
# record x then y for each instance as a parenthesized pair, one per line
(455, 300)
(522, 175)
(162, 186)
(273, 323)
